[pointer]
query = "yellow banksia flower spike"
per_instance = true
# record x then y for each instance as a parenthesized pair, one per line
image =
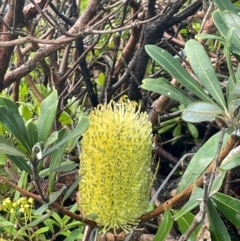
(115, 166)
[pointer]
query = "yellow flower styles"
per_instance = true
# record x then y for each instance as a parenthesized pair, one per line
(115, 165)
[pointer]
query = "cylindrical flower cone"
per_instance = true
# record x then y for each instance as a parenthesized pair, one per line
(115, 166)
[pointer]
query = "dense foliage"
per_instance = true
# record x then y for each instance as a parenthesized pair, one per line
(176, 61)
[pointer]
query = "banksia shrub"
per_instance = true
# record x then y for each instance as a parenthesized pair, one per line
(115, 166)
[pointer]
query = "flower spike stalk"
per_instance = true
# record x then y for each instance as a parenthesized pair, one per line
(115, 166)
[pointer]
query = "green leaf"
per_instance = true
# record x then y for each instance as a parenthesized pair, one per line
(201, 111)
(41, 209)
(14, 123)
(217, 182)
(177, 130)
(229, 207)
(71, 189)
(193, 202)
(32, 133)
(80, 128)
(224, 5)
(21, 163)
(200, 161)
(40, 231)
(56, 159)
(173, 67)
(227, 53)
(54, 195)
(162, 86)
(65, 118)
(47, 114)
(52, 138)
(74, 234)
(232, 160)
(193, 130)
(217, 227)
(184, 222)
(61, 168)
(34, 223)
(208, 36)
(232, 20)
(203, 69)
(165, 128)
(221, 24)
(8, 148)
(165, 227)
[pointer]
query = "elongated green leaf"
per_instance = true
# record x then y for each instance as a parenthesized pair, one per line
(173, 67)
(21, 163)
(184, 222)
(10, 150)
(203, 68)
(232, 20)
(217, 227)
(61, 168)
(54, 195)
(193, 130)
(164, 227)
(194, 200)
(200, 161)
(232, 160)
(71, 189)
(163, 87)
(74, 234)
(221, 24)
(32, 134)
(201, 111)
(56, 159)
(217, 182)
(14, 123)
(208, 36)
(224, 5)
(229, 207)
(47, 114)
(52, 138)
(8, 147)
(80, 128)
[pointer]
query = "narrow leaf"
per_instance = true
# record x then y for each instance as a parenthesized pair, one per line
(201, 111)
(184, 222)
(229, 207)
(56, 159)
(200, 161)
(80, 128)
(232, 20)
(203, 68)
(224, 5)
(176, 70)
(223, 29)
(47, 114)
(193, 202)
(165, 226)
(32, 134)
(14, 123)
(10, 150)
(217, 182)
(73, 235)
(232, 160)
(163, 87)
(217, 227)
(54, 195)
(21, 163)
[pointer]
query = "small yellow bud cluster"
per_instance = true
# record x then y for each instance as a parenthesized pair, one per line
(115, 166)
(22, 205)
